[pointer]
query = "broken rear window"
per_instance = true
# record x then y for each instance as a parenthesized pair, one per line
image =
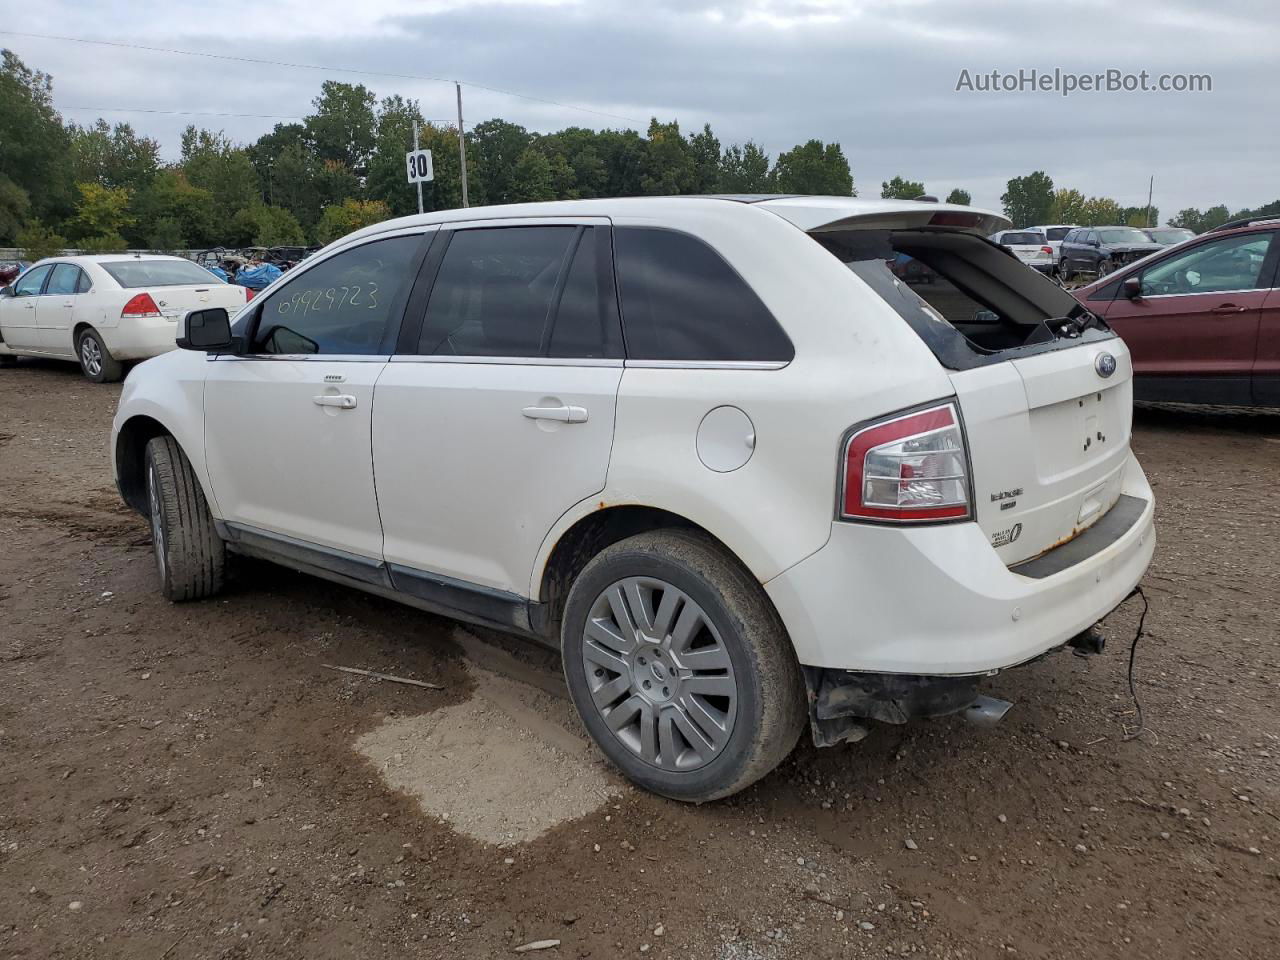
(969, 300)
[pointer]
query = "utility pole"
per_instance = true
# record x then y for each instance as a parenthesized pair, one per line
(1151, 185)
(415, 150)
(462, 145)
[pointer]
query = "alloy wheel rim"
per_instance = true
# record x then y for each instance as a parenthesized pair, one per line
(91, 356)
(659, 674)
(157, 522)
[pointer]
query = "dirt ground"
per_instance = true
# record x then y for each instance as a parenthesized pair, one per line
(191, 781)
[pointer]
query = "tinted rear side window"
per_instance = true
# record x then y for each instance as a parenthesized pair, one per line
(681, 301)
(495, 291)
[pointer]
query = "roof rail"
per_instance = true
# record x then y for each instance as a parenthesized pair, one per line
(1243, 222)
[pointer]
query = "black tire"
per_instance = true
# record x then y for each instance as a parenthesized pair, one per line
(8, 360)
(1064, 270)
(190, 555)
(1105, 266)
(96, 362)
(768, 709)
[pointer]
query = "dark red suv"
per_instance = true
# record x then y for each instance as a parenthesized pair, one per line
(1201, 319)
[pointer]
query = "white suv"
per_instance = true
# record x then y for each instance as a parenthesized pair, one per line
(743, 477)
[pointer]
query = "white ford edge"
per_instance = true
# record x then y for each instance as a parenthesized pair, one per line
(744, 478)
(105, 309)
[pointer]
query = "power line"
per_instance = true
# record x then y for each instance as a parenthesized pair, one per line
(313, 66)
(196, 113)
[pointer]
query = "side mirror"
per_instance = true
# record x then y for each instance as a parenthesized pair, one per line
(1131, 287)
(208, 330)
(7, 290)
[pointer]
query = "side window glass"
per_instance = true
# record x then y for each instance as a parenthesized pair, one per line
(586, 321)
(494, 292)
(83, 286)
(682, 301)
(1232, 263)
(344, 305)
(65, 279)
(29, 284)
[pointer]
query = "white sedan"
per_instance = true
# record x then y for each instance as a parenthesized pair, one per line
(106, 309)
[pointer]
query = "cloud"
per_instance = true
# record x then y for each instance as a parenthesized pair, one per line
(877, 77)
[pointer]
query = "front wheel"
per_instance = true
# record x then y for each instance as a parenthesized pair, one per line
(95, 359)
(679, 666)
(190, 556)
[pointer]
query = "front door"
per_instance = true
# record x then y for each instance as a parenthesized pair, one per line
(55, 311)
(497, 415)
(18, 310)
(287, 426)
(1193, 333)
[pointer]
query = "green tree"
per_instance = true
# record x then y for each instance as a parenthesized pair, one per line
(1067, 207)
(584, 151)
(668, 162)
(36, 241)
(705, 149)
(1027, 199)
(342, 218)
(266, 151)
(171, 196)
(292, 182)
(212, 162)
(104, 243)
(387, 180)
(745, 169)
(815, 168)
(1193, 219)
(113, 156)
(1140, 216)
(494, 148)
(901, 189)
(1101, 211)
(33, 144)
(15, 207)
(531, 179)
(344, 127)
(960, 197)
(102, 211)
(166, 235)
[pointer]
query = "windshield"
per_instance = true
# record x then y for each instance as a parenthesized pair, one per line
(1057, 233)
(1123, 235)
(159, 273)
(1170, 237)
(1026, 237)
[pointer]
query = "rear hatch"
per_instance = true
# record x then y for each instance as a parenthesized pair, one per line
(1044, 387)
(1048, 440)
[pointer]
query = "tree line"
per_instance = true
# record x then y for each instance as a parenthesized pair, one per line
(103, 186)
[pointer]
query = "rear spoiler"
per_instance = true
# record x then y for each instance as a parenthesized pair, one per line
(834, 214)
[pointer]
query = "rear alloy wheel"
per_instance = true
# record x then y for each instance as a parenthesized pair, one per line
(95, 360)
(1105, 266)
(679, 666)
(1064, 270)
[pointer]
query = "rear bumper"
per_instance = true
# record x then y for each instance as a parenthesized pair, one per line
(140, 338)
(937, 600)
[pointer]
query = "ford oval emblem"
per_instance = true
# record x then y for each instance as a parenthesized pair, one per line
(1105, 364)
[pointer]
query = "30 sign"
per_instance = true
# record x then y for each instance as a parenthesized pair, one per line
(419, 166)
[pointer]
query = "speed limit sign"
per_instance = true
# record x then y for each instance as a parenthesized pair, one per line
(418, 163)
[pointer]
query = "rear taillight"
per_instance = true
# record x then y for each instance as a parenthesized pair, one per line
(248, 293)
(1048, 250)
(911, 468)
(140, 305)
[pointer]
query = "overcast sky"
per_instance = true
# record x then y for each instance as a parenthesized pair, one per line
(878, 77)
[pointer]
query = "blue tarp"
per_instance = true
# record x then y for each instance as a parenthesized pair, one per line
(219, 273)
(259, 277)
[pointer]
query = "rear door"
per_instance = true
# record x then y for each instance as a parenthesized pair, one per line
(496, 415)
(1194, 331)
(288, 424)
